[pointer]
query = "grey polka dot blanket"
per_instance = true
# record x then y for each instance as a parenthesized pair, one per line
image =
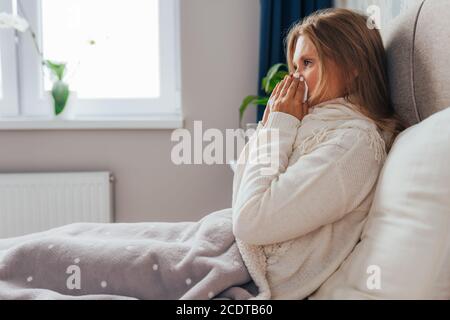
(151, 260)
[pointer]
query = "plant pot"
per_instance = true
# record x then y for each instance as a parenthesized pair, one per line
(251, 125)
(248, 131)
(69, 109)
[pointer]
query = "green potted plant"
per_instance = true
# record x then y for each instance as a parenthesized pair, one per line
(60, 89)
(57, 70)
(275, 74)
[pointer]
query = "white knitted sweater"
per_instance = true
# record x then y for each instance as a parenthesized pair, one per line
(295, 226)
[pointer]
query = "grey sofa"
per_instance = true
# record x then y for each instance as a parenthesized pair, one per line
(404, 252)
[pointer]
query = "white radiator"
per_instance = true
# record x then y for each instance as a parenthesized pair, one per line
(32, 202)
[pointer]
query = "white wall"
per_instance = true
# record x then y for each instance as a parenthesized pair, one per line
(219, 48)
(389, 8)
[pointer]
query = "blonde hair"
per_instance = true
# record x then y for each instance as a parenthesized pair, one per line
(342, 36)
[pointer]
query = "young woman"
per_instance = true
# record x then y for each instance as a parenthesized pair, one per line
(296, 225)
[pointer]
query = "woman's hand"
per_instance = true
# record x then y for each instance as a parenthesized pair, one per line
(287, 97)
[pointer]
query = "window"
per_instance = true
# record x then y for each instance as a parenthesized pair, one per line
(122, 57)
(8, 67)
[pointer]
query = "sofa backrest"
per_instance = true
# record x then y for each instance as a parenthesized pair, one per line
(417, 45)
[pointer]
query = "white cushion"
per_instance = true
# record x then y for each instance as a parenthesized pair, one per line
(405, 243)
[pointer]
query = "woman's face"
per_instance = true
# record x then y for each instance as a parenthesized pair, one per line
(306, 63)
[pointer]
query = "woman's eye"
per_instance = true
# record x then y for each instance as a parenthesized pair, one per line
(306, 62)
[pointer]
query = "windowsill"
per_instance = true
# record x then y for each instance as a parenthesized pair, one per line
(92, 123)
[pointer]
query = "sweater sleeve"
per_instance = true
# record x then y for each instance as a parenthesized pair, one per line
(318, 189)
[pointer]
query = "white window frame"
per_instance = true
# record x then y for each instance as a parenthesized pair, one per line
(9, 102)
(35, 104)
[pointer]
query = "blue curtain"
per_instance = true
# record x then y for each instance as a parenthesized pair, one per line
(277, 16)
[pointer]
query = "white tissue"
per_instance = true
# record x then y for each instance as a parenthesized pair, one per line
(305, 97)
